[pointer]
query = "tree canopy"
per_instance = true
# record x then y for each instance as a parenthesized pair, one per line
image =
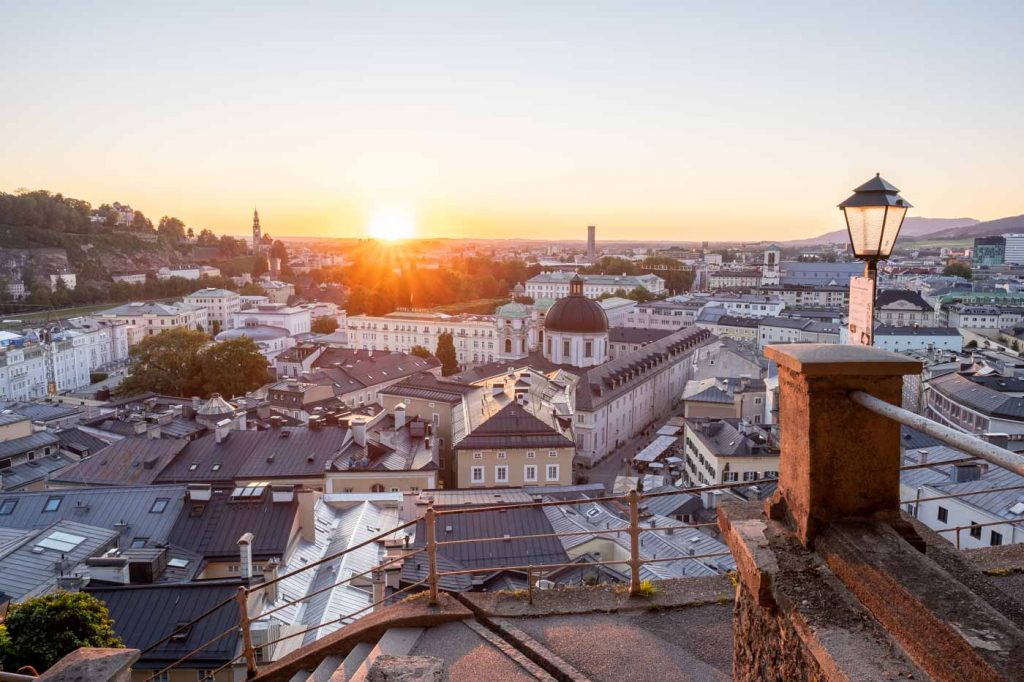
(420, 352)
(958, 269)
(446, 354)
(42, 630)
(183, 362)
(324, 325)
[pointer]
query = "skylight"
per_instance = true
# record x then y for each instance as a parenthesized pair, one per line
(60, 541)
(178, 563)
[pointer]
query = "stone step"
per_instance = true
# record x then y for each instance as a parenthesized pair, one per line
(300, 676)
(354, 659)
(395, 642)
(326, 669)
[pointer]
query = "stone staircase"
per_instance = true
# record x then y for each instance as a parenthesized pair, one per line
(355, 666)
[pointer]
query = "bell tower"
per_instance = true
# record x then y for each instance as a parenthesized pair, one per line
(257, 233)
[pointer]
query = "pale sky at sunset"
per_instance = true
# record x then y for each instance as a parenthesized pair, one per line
(676, 120)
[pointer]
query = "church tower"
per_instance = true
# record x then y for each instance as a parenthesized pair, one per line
(257, 233)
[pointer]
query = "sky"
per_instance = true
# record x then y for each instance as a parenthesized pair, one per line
(652, 120)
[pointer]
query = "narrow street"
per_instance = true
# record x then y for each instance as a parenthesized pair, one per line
(606, 470)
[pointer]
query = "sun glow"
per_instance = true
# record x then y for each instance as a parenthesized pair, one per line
(391, 225)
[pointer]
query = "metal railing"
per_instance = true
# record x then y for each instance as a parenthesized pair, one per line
(631, 527)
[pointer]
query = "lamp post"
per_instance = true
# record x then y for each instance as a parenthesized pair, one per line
(874, 215)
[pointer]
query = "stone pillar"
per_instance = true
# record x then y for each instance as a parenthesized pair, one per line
(838, 460)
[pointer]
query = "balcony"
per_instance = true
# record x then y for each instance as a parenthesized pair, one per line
(832, 581)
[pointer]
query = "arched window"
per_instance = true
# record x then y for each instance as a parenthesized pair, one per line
(377, 488)
(508, 345)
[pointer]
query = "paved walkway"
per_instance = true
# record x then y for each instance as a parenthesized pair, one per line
(611, 466)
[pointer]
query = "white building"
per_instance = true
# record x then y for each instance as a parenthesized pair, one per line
(22, 372)
(914, 338)
(220, 304)
(748, 305)
(555, 285)
(796, 330)
(130, 277)
(70, 280)
(148, 319)
(276, 291)
(1014, 252)
(188, 272)
(668, 314)
(618, 310)
(293, 319)
(964, 316)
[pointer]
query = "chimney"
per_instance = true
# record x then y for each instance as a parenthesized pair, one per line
(222, 430)
(196, 403)
(377, 578)
(140, 427)
(71, 583)
(245, 556)
(358, 426)
(1000, 440)
(154, 432)
(122, 530)
(269, 574)
(307, 514)
(399, 416)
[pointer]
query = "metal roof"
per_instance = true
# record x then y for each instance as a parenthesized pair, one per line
(939, 478)
(43, 412)
(17, 446)
(104, 507)
(428, 387)
(130, 461)
(79, 442)
(37, 469)
(32, 566)
(143, 615)
(212, 528)
(513, 427)
(658, 447)
(636, 334)
(976, 396)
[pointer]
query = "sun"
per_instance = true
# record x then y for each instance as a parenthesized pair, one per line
(391, 224)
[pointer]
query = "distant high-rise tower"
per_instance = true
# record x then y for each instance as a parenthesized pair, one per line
(592, 243)
(257, 233)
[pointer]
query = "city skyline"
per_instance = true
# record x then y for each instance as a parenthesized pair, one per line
(658, 123)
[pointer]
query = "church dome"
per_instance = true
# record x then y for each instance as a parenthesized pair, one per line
(575, 313)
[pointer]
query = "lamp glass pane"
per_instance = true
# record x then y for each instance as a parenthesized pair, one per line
(893, 221)
(866, 225)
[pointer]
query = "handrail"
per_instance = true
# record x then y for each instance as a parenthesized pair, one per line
(187, 625)
(962, 441)
(605, 531)
(486, 569)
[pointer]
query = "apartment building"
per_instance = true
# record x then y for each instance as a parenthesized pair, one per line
(555, 285)
(966, 316)
(734, 279)
(796, 330)
(809, 296)
(668, 314)
(295, 320)
(903, 308)
(727, 450)
(220, 304)
(148, 319)
(514, 448)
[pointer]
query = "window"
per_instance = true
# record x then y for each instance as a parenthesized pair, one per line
(139, 543)
(502, 455)
(5, 463)
(552, 453)
(530, 454)
(61, 542)
(975, 530)
(943, 514)
(162, 677)
(7, 507)
(193, 466)
(478, 455)
(477, 474)
(588, 349)
(159, 505)
(552, 472)
(749, 475)
(501, 474)
(53, 504)
(565, 346)
(530, 473)
(730, 476)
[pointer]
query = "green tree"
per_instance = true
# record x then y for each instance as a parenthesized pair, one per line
(171, 229)
(42, 630)
(206, 238)
(233, 367)
(324, 325)
(641, 295)
(251, 289)
(446, 354)
(420, 352)
(166, 363)
(958, 269)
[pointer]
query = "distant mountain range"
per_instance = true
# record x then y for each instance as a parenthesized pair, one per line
(912, 227)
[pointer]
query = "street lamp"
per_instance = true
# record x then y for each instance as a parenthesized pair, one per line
(874, 215)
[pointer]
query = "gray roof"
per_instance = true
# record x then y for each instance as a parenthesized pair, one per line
(43, 412)
(102, 507)
(145, 614)
(604, 383)
(978, 397)
(31, 567)
(887, 297)
(80, 442)
(916, 331)
(361, 368)
(17, 446)
(20, 475)
(428, 387)
(212, 528)
(723, 438)
(130, 461)
(513, 427)
(636, 335)
(147, 308)
(492, 556)
(458, 497)
(7, 418)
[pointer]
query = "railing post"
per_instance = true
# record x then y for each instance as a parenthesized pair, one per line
(243, 622)
(529, 583)
(958, 537)
(634, 543)
(430, 521)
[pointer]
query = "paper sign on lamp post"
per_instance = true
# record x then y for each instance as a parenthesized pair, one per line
(874, 215)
